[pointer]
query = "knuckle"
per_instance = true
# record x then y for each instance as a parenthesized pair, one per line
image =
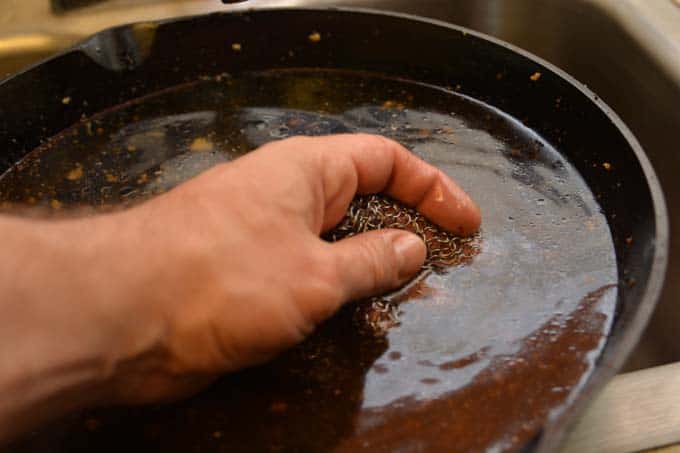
(375, 143)
(379, 258)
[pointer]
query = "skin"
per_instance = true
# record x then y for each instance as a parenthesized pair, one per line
(221, 273)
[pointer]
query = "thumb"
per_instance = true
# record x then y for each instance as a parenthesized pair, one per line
(377, 261)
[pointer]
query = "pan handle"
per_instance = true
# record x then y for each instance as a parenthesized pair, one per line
(636, 411)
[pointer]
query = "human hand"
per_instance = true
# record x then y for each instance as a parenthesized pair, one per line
(220, 273)
(232, 265)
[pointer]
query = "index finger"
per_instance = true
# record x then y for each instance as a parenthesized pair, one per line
(361, 163)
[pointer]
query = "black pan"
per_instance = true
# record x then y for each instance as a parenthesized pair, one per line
(500, 353)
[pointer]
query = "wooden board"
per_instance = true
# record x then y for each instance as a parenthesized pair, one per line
(636, 412)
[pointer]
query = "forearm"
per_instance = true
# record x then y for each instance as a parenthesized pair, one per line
(59, 330)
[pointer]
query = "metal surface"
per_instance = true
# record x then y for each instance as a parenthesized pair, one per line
(586, 131)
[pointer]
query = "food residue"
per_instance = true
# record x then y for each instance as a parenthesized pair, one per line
(535, 76)
(66, 100)
(200, 144)
(75, 174)
(390, 104)
(55, 204)
(314, 36)
(236, 47)
(110, 178)
(607, 166)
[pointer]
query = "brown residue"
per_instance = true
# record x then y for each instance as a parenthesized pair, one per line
(429, 381)
(390, 104)
(200, 144)
(394, 355)
(75, 174)
(463, 362)
(508, 402)
(108, 177)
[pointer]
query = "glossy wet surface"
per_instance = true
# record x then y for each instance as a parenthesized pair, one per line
(482, 353)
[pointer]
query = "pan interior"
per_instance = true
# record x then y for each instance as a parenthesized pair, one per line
(483, 354)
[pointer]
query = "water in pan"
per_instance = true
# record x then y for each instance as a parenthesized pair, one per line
(483, 354)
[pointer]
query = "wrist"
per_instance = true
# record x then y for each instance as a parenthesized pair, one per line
(71, 318)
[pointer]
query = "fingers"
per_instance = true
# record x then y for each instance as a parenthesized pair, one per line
(361, 163)
(376, 262)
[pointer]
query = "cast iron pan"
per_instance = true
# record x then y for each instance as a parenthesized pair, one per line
(499, 352)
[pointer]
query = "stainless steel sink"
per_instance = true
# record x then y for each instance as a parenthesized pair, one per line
(627, 51)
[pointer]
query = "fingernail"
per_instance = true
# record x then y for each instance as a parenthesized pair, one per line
(411, 251)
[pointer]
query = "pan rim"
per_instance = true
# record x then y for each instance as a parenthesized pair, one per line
(613, 356)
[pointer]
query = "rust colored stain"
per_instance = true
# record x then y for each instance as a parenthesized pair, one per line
(507, 403)
(465, 361)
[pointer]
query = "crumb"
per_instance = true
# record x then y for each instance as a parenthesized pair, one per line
(629, 240)
(131, 148)
(66, 100)
(315, 36)
(389, 104)
(535, 76)
(200, 144)
(75, 174)
(607, 166)
(217, 435)
(142, 178)
(110, 178)
(55, 204)
(236, 47)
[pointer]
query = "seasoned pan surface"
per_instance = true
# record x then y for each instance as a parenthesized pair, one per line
(479, 356)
